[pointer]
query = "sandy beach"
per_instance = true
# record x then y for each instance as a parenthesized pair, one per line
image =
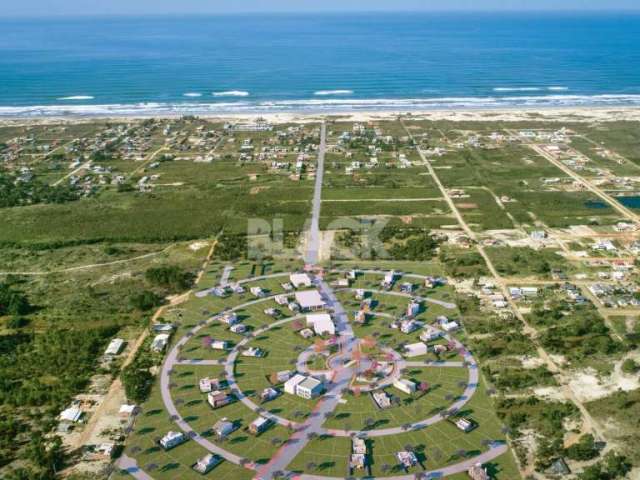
(516, 114)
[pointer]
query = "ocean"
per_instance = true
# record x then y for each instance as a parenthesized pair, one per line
(317, 63)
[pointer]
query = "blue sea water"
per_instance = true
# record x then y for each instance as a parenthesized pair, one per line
(329, 62)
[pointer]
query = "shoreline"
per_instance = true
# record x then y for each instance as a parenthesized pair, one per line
(576, 114)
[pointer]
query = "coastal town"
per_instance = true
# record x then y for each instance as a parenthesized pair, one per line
(394, 296)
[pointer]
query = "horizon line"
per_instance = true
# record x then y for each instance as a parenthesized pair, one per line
(27, 16)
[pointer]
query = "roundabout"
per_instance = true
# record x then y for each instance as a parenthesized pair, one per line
(348, 361)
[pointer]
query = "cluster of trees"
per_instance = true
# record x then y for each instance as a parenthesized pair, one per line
(170, 277)
(145, 300)
(459, 263)
(584, 449)
(409, 244)
(508, 379)
(611, 467)
(15, 193)
(581, 335)
(47, 370)
(46, 455)
(231, 247)
(137, 379)
(13, 302)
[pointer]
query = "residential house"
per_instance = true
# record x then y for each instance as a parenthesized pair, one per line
(406, 386)
(415, 349)
(259, 425)
(219, 399)
(207, 463)
(172, 440)
(309, 300)
(322, 324)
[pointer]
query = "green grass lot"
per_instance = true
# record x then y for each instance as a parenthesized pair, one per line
(193, 407)
(482, 212)
(439, 445)
(92, 297)
(361, 413)
(147, 217)
(584, 146)
(154, 422)
(620, 413)
(527, 262)
(621, 137)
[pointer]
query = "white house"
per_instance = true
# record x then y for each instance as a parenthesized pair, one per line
(172, 439)
(407, 459)
(219, 344)
(238, 328)
(291, 384)
(429, 334)
(223, 427)
(115, 347)
(207, 384)
(413, 309)
(257, 292)
(322, 324)
(406, 386)
(207, 463)
(409, 326)
(282, 299)
(300, 279)
(309, 300)
(230, 318)
(465, 424)
(309, 388)
(415, 349)
(160, 342)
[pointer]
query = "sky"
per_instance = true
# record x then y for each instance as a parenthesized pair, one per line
(123, 7)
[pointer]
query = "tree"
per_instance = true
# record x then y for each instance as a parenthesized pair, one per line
(145, 300)
(585, 449)
(630, 366)
(137, 382)
(169, 277)
(12, 302)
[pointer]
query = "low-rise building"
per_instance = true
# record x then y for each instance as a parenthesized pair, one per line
(207, 384)
(358, 453)
(322, 324)
(465, 424)
(406, 386)
(415, 349)
(172, 440)
(207, 463)
(407, 459)
(259, 425)
(309, 388)
(476, 472)
(115, 347)
(268, 394)
(309, 300)
(218, 399)
(382, 399)
(223, 428)
(300, 280)
(160, 342)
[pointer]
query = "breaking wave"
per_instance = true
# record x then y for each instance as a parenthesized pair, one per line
(231, 93)
(77, 97)
(328, 105)
(321, 93)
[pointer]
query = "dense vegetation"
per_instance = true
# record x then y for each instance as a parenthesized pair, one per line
(15, 193)
(170, 277)
(409, 244)
(136, 378)
(47, 370)
(12, 302)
